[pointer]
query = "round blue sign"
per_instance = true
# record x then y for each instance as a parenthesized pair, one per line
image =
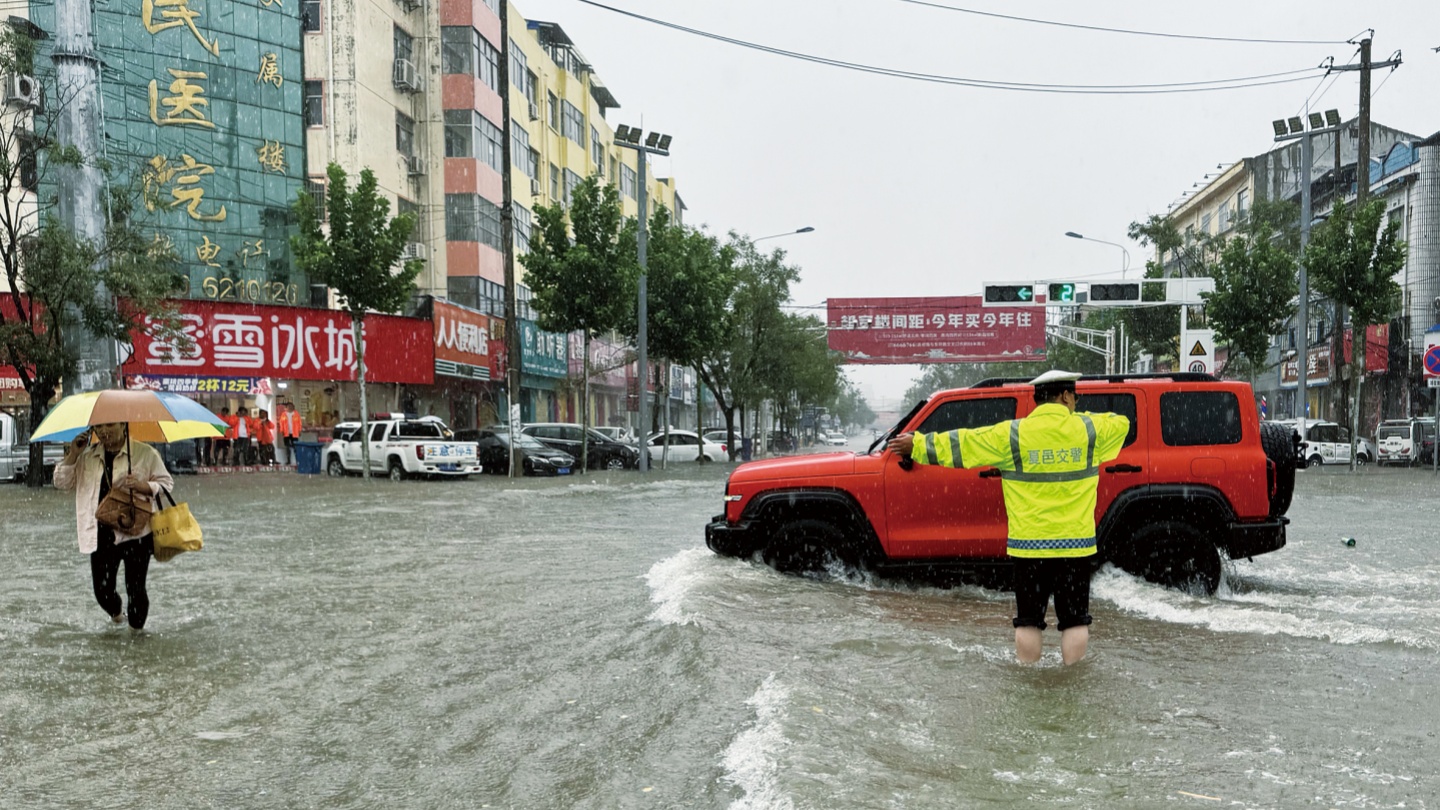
(1432, 361)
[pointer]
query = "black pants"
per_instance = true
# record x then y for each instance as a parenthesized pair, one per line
(1067, 579)
(105, 564)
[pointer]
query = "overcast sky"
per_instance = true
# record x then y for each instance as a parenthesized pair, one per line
(917, 188)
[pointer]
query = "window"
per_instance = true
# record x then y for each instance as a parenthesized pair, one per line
(457, 52)
(524, 158)
(493, 5)
(310, 16)
(459, 134)
(960, 414)
(518, 69)
(488, 63)
(1123, 404)
(1205, 224)
(572, 124)
(1242, 204)
(597, 151)
(404, 206)
(522, 227)
(627, 182)
(404, 44)
(554, 110)
(554, 182)
(316, 190)
(404, 134)
(614, 169)
(314, 103)
(489, 143)
(1224, 216)
(1190, 418)
(571, 181)
(377, 432)
(531, 82)
(535, 165)
(28, 165)
(462, 222)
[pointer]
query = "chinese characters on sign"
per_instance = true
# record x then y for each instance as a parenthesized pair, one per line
(462, 342)
(933, 330)
(240, 340)
(542, 353)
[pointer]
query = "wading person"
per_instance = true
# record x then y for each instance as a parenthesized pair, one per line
(1049, 466)
(290, 426)
(265, 435)
(92, 471)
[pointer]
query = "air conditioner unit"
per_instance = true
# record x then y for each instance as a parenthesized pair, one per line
(413, 250)
(407, 76)
(23, 91)
(534, 187)
(534, 112)
(415, 165)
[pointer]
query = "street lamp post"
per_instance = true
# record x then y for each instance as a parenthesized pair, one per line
(1289, 131)
(806, 229)
(1125, 264)
(656, 144)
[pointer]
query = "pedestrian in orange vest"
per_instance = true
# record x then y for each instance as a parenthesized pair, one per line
(290, 427)
(265, 434)
(222, 446)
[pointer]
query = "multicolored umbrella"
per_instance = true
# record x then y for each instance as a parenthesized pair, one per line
(153, 416)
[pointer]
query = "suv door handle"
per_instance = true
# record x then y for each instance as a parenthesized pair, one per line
(1123, 468)
(990, 472)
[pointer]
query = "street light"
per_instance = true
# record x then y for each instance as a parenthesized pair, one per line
(1125, 265)
(656, 144)
(1289, 130)
(806, 229)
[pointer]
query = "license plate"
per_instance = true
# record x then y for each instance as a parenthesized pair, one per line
(449, 467)
(562, 471)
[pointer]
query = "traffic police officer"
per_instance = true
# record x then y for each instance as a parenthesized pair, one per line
(1050, 463)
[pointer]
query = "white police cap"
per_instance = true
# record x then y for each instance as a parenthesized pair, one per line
(1055, 376)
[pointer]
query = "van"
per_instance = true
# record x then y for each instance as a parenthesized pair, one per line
(1398, 441)
(1329, 443)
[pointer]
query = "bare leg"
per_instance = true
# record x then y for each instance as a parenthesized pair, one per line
(1027, 644)
(1073, 643)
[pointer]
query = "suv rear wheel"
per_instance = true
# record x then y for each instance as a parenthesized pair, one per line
(1173, 554)
(335, 468)
(397, 472)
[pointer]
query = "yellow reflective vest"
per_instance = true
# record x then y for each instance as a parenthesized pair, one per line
(1050, 470)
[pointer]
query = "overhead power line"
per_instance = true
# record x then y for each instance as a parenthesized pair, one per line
(1132, 32)
(1237, 83)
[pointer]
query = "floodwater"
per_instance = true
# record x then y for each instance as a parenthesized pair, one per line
(570, 643)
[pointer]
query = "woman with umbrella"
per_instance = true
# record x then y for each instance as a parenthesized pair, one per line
(112, 461)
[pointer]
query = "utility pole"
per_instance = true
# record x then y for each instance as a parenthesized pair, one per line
(77, 124)
(507, 248)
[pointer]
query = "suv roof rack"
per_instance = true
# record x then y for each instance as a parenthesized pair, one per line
(1174, 376)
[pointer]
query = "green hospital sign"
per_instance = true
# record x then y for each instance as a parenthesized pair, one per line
(202, 108)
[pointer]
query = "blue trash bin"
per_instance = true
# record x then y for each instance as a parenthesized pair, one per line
(307, 458)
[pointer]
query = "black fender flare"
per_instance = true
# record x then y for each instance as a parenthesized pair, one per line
(771, 509)
(1203, 507)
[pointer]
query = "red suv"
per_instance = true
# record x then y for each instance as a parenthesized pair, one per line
(1199, 475)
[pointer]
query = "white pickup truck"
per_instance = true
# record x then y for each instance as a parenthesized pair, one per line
(401, 448)
(15, 451)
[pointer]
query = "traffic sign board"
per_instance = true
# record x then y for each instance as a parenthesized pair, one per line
(1432, 362)
(1434, 382)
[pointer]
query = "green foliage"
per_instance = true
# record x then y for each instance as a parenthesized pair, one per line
(690, 277)
(358, 258)
(1350, 260)
(1255, 284)
(585, 283)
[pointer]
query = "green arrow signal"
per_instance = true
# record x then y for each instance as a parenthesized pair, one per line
(1024, 293)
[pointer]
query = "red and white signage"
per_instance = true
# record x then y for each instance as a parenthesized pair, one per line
(463, 340)
(954, 329)
(250, 340)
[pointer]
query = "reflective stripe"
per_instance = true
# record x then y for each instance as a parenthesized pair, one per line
(1015, 446)
(955, 449)
(1090, 447)
(930, 449)
(1043, 477)
(1046, 545)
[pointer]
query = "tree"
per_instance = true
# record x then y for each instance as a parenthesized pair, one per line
(358, 259)
(582, 272)
(689, 281)
(1156, 329)
(52, 277)
(1353, 262)
(1255, 282)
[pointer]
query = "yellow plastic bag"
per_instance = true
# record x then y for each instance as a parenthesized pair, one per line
(175, 530)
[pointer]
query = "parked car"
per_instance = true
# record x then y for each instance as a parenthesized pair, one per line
(1329, 443)
(685, 445)
(537, 459)
(619, 434)
(836, 438)
(604, 452)
(15, 451)
(1199, 478)
(1401, 441)
(401, 448)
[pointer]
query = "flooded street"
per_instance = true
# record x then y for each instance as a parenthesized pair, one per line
(570, 643)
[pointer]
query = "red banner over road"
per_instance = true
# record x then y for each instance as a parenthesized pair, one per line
(249, 340)
(934, 330)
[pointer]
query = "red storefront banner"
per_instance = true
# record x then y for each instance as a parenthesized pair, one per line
(954, 329)
(250, 340)
(463, 339)
(9, 376)
(1377, 347)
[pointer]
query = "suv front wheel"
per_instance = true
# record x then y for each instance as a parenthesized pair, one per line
(804, 545)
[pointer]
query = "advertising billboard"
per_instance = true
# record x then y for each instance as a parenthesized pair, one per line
(956, 329)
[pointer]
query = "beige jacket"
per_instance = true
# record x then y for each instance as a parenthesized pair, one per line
(83, 476)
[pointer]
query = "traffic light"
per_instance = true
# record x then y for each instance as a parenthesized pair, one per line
(1009, 295)
(1114, 293)
(1063, 293)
